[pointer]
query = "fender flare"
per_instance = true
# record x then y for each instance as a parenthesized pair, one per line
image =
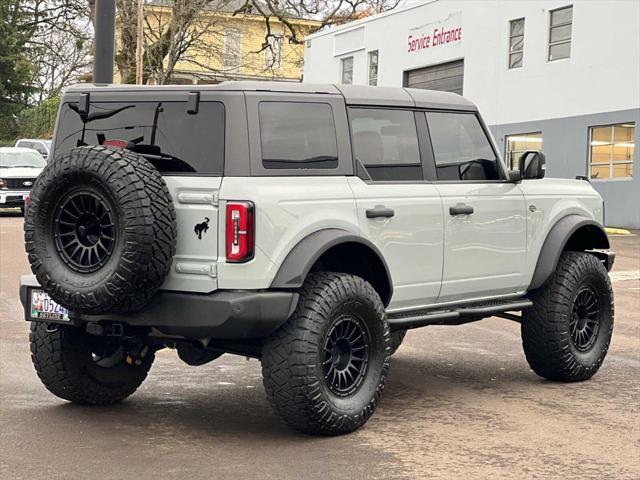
(555, 243)
(298, 262)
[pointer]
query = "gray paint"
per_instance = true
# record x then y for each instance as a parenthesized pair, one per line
(566, 146)
(105, 38)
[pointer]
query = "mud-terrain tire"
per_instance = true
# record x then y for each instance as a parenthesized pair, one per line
(566, 334)
(397, 337)
(339, 325)
(100, 230)
(65, 360)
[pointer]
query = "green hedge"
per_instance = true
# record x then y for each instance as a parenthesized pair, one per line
(34, 122)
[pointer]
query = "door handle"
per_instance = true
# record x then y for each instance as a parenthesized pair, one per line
(461, 209)
(380, 211)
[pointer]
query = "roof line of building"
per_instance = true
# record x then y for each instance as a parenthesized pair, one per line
(356, 23)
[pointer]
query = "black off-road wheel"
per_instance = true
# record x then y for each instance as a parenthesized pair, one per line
(566, 334)
(85, 369)
(325, 369)
(100, 230)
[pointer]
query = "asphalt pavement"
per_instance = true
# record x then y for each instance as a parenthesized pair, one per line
(461, 403)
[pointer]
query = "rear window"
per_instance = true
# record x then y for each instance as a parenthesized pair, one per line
(163, 132)
(297, 135)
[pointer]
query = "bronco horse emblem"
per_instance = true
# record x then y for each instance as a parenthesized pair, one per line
(201, 228)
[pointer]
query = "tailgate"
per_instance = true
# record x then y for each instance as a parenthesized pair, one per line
(196, 203)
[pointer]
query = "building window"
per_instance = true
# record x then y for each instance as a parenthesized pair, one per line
(519, 143)
(232, 48)
(373, 68)
(560, 33)
(516, 43)
(611, 150)
(346, 71)
(273, 53)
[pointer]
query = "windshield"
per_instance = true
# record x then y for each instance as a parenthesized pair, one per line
(21, 159)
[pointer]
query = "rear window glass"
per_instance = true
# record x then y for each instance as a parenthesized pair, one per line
(297, 135)
(163, 132)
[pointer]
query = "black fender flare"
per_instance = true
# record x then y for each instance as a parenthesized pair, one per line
(297, 264)
(556, 241)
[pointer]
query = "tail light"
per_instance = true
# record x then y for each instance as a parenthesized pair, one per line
(240, 231)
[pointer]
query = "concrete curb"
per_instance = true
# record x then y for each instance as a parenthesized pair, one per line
(617, 231)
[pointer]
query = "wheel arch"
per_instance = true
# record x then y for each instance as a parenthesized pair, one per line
(335, 250)
(572, 232)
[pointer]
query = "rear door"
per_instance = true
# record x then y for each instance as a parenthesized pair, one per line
(484, 214)
(398, 210)
(185, 144)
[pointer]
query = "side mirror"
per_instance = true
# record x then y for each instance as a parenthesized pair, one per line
(515, 176)
(532, 164)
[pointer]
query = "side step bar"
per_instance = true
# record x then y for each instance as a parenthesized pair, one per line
(458, 316)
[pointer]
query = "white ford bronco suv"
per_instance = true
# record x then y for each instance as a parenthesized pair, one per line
(308, 226)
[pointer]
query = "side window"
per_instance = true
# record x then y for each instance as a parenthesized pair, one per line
(461, 148)
(297, 135)
(385, 142)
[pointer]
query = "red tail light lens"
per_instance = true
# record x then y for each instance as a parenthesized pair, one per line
(240, 231)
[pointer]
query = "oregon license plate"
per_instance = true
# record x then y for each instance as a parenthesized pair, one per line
(43, 308)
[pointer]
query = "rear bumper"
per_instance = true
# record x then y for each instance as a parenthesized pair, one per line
(222, 315)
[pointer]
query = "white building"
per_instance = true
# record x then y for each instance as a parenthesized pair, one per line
(559, 76)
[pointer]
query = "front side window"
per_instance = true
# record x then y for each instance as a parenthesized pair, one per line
(172, 139)
(611, 150)
(385, 143)
(560, 26)
(516, 43)
(518, 144)
(297, 135)
(373, 68)
(461, 148)
(346, 71)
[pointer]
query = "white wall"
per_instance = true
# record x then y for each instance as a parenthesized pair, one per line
(602, 74)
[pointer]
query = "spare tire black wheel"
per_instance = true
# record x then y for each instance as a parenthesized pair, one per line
(100, 230)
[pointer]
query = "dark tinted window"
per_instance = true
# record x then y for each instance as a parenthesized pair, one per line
(385, 142)
(297, 135)
(179, 142)
(461, 149)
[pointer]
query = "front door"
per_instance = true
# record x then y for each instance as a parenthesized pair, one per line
(484, 214)
(397, 210)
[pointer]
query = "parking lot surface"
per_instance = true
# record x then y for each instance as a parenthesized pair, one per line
(461, 402)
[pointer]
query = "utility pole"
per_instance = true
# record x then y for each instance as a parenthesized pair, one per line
(105, 40)
(140, 44)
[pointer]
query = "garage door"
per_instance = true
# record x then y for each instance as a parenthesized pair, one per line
(447, 77)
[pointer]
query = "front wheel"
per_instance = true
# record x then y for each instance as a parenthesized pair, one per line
(566, 334)
(86, 369)
(324, 370)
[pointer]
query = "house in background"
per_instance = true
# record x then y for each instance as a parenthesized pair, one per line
(230, 47)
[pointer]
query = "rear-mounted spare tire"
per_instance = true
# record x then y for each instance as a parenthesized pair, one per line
(100, 231)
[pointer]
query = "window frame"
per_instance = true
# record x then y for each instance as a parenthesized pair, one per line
(369, 65)
(342, 70)
(506, 144)
(502, 169)
(423, 145)
(610, 163)
(559, 42)
(510, 53)
(345, 159)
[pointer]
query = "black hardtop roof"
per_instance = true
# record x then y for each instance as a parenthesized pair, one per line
(353, 94)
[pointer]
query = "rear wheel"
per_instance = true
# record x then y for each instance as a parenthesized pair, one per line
(83, 368)
(324, 370)
(566, 334)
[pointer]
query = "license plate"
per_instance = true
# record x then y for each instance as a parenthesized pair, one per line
(43, 308)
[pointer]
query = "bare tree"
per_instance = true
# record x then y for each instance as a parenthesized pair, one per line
(185, 31)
